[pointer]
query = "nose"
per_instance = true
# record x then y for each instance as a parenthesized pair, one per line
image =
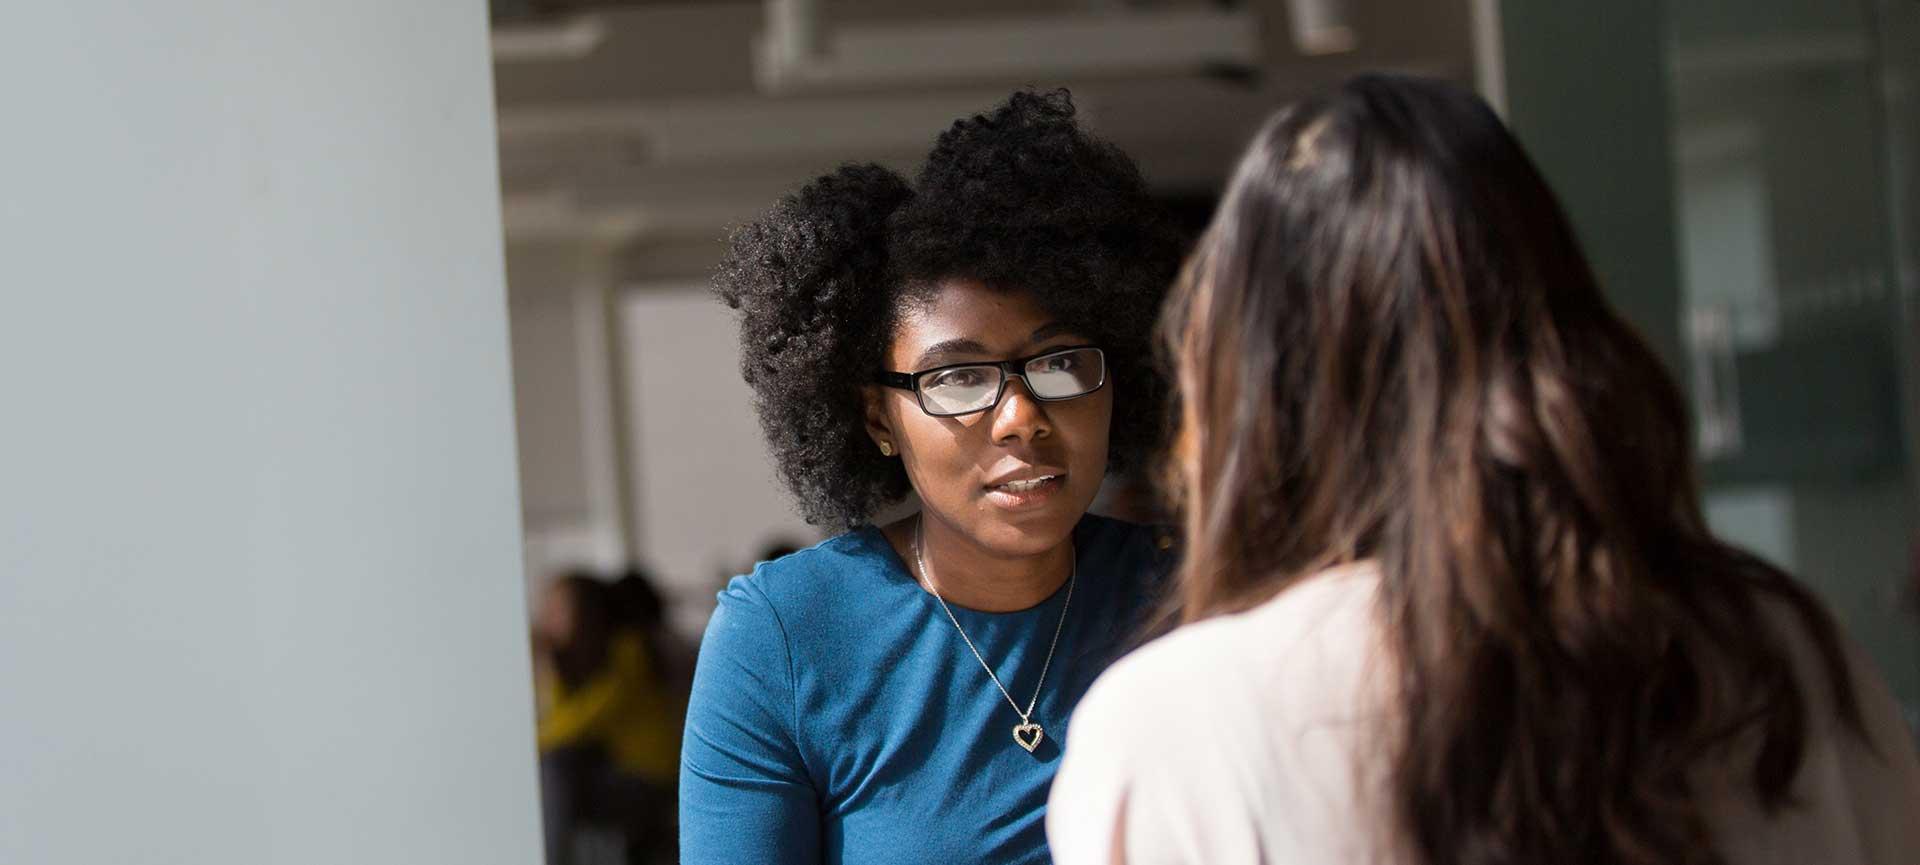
(1019, 417)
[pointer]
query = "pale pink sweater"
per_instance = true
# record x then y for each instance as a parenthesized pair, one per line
(1246, 738)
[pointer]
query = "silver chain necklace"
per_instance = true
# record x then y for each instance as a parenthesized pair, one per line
(1026, 734)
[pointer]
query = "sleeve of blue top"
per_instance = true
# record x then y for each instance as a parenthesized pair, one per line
(745, 795)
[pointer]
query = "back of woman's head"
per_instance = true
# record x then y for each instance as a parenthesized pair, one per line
(1391, 347)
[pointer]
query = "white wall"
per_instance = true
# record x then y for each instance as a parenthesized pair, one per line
(549, 398)
(707, 495)
(563, 402)
(259, 589)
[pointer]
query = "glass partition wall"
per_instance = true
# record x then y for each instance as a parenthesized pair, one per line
(1794, 149)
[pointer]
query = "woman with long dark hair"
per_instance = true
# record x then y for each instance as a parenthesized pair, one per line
(1449, 596)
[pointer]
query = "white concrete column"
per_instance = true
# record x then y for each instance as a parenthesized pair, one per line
(260, 598)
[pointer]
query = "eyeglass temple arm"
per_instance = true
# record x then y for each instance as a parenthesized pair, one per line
(900, 380)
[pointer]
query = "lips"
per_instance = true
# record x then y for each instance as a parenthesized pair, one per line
(1025, 486)
(1028, 487)
(1031, 475)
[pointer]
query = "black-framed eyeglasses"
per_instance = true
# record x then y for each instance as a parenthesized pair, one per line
(965, 388)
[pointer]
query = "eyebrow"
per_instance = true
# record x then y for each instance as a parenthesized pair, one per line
(940, 353)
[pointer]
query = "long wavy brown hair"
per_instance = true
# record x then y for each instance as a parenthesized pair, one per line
(1390, 347)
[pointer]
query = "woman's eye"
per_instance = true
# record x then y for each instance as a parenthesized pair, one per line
(1059, 363)
(958, 378)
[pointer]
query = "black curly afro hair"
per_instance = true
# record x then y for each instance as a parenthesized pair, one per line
(1019, 198)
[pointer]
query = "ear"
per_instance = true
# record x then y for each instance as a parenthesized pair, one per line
(878, 421)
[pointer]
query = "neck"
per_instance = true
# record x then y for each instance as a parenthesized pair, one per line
(972, 576)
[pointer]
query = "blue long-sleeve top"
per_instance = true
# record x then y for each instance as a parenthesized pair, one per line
(837, 717)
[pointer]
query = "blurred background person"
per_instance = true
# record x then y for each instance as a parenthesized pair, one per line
(1449, 595)
(612, 696)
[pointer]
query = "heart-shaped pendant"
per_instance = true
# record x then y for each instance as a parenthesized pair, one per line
(1028, 736)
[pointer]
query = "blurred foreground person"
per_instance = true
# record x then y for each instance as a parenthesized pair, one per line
(612, 697)
(1449, 594)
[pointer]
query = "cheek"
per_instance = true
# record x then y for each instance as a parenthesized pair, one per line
(934, 448)
(940, 459)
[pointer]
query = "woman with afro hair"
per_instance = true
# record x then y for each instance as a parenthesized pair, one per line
(977, 341)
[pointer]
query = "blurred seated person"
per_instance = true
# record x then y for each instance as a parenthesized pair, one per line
(611, 706)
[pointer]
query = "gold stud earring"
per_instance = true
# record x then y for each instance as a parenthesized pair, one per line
(886, 449)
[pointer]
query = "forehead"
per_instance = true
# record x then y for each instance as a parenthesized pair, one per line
(1000, 321)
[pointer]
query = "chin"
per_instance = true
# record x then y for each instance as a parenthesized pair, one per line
(1030, 532)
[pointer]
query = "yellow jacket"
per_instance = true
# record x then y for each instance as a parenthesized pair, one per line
(625, 708)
